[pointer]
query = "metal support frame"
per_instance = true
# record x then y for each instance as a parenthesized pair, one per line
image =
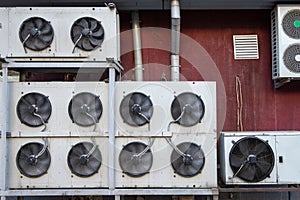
(3, 144)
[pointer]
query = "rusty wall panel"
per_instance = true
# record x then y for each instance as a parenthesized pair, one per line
(264, 108)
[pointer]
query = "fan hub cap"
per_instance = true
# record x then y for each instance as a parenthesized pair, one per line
(85, 108)
(187, 159)
(135, 160)
(83, 159)
(33, 109)
(251, 159)
(136, 108)
(188, 108)
(34, 31)
(86, 32)
(32, 160)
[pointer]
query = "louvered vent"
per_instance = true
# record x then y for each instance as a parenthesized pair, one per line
(245, 47)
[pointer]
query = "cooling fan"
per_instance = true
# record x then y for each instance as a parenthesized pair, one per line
(136, 109)
(136, 159)
(36, 34)
(84, 159)
(291, 58)
(251, 159)
(34, 109)
(87, 34)
(187, 159)
(291, 24)
(33, 159)
(85, 109)
(187, 109)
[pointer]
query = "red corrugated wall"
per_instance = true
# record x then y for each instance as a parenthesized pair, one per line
(264, 108)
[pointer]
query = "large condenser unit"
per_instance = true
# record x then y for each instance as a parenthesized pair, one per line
(58, 137)
(59, 33)
(166, 135)
(264, 157)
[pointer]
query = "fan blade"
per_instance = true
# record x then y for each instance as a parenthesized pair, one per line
(93, 25)
(94, 42)
(236, 160)
(98, 33)
(34, 149)
(83, 23)
(260, 148)
(248, 172)
(244, 147)
(86, 45)
(38, 23)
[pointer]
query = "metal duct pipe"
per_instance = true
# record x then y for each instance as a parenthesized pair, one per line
(175, 39)
(137, 46)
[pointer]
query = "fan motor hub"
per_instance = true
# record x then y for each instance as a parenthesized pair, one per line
(32, 160)
(85, 108)
(188, 108)
(33, 109)
(136, 108)
(135, 159)
(86, 32)
(252, 159)
(187, 159)
(34, 31)
(83, 159)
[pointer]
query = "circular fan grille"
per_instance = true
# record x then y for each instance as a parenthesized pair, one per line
(30, 163)
(136, 109)
(84, 159)
(134, 160)
(251, 159)
(291, 24)
(187, 109)
(34, 109)
(36, 33)
(85, 109)
(189, 164)
(87, 33)
(291, 58)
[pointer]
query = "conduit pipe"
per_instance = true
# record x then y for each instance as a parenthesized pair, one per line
(137, 46)
(175, 40)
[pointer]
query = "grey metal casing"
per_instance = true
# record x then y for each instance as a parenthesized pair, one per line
(280, 41)
(285, 144)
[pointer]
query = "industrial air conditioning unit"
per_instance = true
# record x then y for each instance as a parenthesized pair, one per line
(57, 162)
(59, 33)
(58, 109)
(285, 35)
(250, 158)
(166, 134)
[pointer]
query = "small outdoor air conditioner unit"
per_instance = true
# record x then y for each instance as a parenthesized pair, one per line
(251, 158)
(285, 35)
(59, 33)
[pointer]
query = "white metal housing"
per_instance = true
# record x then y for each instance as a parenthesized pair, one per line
(285, 146)
(58, 174)
(161, 173)
(60, 95)
(61, 19)
(162, 94)
(281, 41)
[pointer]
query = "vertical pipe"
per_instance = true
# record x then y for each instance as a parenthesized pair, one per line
(175, 40)
(111, 139)
(137, 46)
(3, 142)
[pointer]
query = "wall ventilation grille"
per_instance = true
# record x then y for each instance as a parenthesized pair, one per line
(245, 47)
